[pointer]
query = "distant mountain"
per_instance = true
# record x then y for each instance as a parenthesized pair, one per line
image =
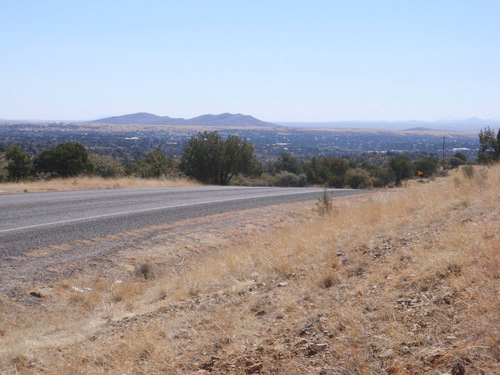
(224, 119)
(468, 125)
(419, 129)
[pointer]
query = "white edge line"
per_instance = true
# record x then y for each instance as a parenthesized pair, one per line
(149, 209)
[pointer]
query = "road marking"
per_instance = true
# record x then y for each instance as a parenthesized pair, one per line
(151, 209)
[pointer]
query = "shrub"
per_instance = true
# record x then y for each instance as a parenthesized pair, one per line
(324, 205)
(145, 270)
(468, 172)
(106, 166)
(288, 179)
(358, 178)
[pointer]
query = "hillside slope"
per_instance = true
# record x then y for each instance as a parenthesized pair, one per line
(401, 282)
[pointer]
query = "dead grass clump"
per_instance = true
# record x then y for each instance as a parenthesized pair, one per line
(91, 183)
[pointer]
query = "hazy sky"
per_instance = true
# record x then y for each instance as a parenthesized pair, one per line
(308, 60)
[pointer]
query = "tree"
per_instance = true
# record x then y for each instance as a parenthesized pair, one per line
(210, 159)
(461, 156)
(427, 165)
(106, 166)
(156, 164)
(3, 167)
(312, 170)
(289, 179)
(287, 162)
(19, 165)
(66, 159)
(332, 171)
(401, 168)
(489, 150)
(358, 178)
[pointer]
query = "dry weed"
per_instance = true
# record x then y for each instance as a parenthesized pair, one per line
(91, 183)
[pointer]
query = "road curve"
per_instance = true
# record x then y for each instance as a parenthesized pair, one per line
(37, 220)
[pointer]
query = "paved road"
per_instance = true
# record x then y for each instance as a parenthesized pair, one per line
(37, 220)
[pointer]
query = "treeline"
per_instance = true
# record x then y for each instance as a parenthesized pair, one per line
(210, 159)
(356, 173)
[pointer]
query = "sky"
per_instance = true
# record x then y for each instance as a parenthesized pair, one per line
(287, 60)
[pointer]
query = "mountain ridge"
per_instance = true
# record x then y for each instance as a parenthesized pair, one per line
(223, 119)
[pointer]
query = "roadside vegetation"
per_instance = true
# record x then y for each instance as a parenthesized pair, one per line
(398, 282)
(210, 159)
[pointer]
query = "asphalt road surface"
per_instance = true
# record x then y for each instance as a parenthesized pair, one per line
(37, 220)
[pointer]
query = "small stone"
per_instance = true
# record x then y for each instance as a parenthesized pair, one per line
(386, 353)
(36, 294)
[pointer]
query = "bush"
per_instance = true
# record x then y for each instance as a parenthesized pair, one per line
(358, 179)
(288, 179)
(145, 270)
(156, 165)
(455, 162)
(3, 168)
(264, 180)
(324, 205)
(19, 165)
(468, 172)
(106, 166)
(428, 166)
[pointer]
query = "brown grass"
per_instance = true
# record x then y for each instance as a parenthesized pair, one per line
(91, 183)
(403, 282)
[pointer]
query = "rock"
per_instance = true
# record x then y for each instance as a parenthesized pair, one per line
(36, 294)
(386, 353)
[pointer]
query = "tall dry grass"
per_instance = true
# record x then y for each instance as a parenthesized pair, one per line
(91, 183)
(402, 282)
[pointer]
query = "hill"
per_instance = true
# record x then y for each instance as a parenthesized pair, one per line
(224, 119)
(404, 282)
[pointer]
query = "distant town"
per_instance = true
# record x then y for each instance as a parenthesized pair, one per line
(131, 142)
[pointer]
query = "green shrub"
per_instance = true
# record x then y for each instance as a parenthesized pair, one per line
(145, 270)
(288, 179)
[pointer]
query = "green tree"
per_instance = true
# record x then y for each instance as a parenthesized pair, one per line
(18, 164)
(106, 166)
(3, 167)
(289, 179)
(380, 177)
(427, 165)
(210, 159)
(332, 171)
(156, 164)
(401, 168)
(64, 160)
(461, 156)
(489, 146)
(312, 170)
(287, 162)
(358, 178)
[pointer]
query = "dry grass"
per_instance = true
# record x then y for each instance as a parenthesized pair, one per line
(91, 183)
(403, 282)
